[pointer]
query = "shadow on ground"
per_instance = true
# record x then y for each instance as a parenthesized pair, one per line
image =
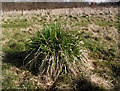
(79, 84)
(85, 85)
(15, 58)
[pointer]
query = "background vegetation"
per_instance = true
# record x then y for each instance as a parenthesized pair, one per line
(94, 37)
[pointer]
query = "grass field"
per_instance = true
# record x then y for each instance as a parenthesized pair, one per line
(98, 38)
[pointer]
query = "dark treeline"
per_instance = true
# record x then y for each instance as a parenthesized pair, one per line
(7, 6)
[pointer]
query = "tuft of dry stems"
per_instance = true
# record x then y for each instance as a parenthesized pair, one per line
(54, 52)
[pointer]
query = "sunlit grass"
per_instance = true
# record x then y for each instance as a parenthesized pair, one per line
(55, 44)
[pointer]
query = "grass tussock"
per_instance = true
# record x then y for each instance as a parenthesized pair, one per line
(54, 52)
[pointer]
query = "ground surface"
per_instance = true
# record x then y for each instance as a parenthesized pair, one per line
(98, 34)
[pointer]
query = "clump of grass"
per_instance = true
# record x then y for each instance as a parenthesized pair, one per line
(53, 51)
